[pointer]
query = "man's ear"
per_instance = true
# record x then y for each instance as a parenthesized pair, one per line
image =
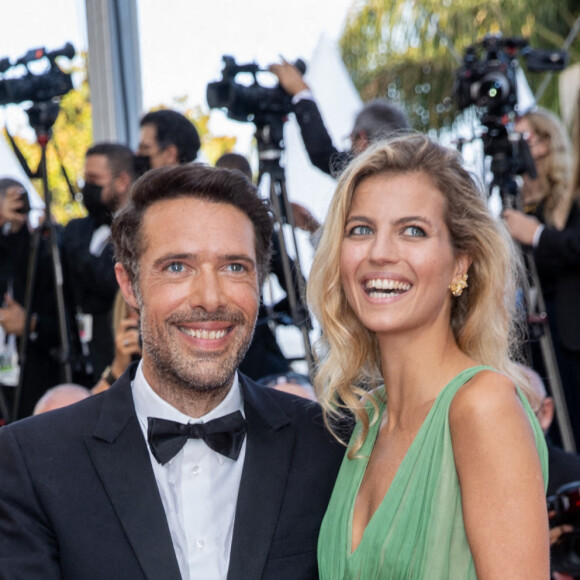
(171, 155)
(123, 183)
(360, 142)
(545, 413)
(126, 286)
(122, 187)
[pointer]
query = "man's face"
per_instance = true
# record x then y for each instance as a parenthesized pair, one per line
(198, 293)
(97, 172)
(14, 207)
(149, 147)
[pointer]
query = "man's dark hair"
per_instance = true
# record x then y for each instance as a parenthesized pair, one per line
(6, 183)
(235, 161)
(119, 157)
(173, 128)
(196, 181)
(379, 119)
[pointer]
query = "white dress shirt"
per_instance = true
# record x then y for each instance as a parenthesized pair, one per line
(99, 240)
(198, 487)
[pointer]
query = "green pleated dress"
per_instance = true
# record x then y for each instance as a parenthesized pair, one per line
(417, 533)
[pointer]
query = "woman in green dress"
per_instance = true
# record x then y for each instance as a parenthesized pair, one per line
(414, 284)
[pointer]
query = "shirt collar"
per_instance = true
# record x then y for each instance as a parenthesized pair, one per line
(149, 404)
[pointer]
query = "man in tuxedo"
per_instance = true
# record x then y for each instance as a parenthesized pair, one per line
(184, 468)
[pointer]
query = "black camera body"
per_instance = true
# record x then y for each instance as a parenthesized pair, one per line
(255, 102)
(36, 87)
(487, 77)
(488, 80)
(565, 506)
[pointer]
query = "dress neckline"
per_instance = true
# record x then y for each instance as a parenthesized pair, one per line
(369, 444)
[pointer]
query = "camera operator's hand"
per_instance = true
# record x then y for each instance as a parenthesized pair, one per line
(521, 227)
(290, 77)
(11, 205)
(12, 316)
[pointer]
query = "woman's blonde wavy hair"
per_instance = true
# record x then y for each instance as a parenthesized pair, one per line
(483, 319)
(555, 169)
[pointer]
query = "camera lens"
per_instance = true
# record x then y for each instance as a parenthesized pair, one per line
(493, 89)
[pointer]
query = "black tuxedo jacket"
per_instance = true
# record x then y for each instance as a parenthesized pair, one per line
(79, 501)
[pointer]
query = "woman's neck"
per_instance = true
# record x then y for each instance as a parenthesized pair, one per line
(416, 368)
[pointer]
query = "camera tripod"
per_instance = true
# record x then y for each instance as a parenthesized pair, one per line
(504, 152)
(42, 117)
(269, 137)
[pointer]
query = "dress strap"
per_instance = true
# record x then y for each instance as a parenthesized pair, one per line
(458, 381)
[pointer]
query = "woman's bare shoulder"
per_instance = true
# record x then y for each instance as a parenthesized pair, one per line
(486, 397)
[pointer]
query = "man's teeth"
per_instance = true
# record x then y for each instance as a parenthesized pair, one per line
(205, 334)
(384, 286)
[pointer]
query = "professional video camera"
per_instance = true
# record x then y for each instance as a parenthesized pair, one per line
(565, 506)
(255, 102)
(268, 108)
(36, 87)
(488, 79)
(488, 76)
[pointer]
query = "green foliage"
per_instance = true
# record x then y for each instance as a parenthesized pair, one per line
(409, 50)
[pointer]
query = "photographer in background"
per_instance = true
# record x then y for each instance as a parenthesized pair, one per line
(377, 119)
(88, 254)
(127, 343)
(264, 356)
(42, 369)
(551, 226)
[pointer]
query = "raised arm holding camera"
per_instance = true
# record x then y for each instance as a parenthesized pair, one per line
(376, 120)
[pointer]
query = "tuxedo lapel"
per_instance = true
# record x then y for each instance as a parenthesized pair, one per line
(270, 441)
(121, 458)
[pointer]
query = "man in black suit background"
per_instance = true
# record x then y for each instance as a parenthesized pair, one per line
(88, 264)
(376, 120)
(184, 468)
(167, 138)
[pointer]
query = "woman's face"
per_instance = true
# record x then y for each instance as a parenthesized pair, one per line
(396, 259)
(539, 147)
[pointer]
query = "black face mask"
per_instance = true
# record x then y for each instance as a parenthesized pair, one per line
(101, 214)
(142, 164)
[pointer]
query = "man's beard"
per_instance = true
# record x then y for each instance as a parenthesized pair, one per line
(200, 372)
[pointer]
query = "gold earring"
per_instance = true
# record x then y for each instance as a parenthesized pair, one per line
(457, 288)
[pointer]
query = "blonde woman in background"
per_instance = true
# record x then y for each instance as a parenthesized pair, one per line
(550, 225)
(127, 343)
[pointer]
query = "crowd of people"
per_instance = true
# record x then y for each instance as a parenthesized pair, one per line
(418, 449)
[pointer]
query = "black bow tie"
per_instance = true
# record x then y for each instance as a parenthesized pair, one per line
(224, 435)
